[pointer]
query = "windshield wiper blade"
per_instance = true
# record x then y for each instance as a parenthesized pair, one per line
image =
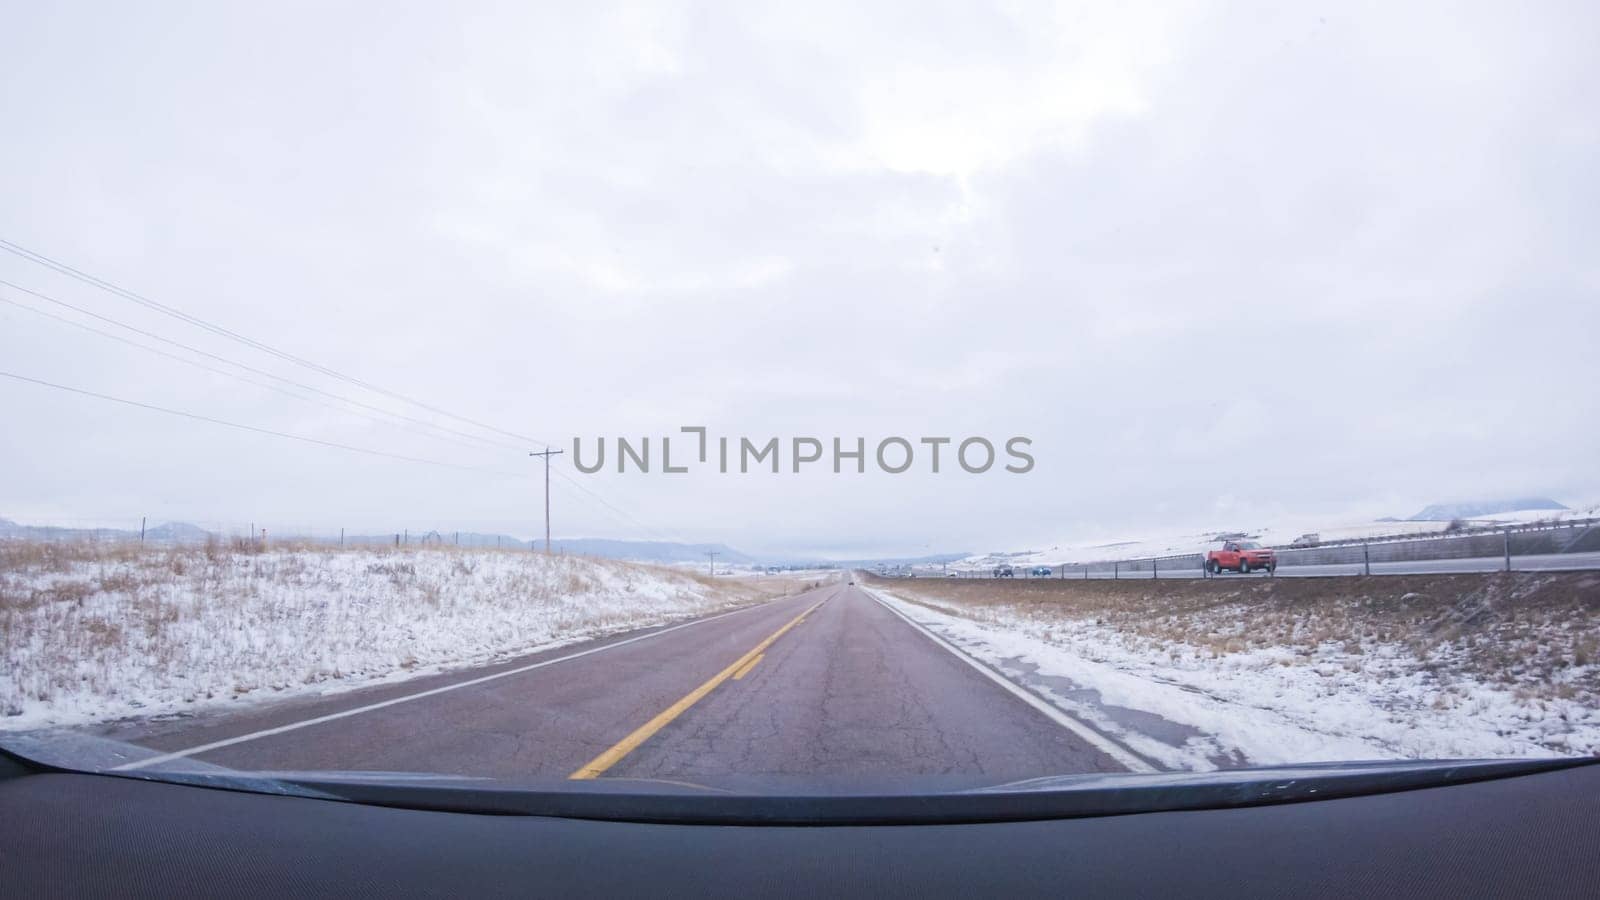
(1067, 797)
(754, 800)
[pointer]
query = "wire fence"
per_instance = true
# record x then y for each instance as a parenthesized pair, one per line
(1350, 556)
(153, 532)
(1355, 556)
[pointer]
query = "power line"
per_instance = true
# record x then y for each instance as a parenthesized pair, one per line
(598, 504)
(235, 375)
(626, 517)
(196, 321)
(92, 280)
(158, 351)
(617, 513)
(258, 430)
(485, 441)
(614, 511)
(595, 504)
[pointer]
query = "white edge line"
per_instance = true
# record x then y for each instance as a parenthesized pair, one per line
(1100, 742)
(305, 723)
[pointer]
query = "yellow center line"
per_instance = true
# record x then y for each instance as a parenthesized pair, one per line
(597, 766)
(745, 669)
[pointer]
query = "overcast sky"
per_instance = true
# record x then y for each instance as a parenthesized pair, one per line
(1225, 265)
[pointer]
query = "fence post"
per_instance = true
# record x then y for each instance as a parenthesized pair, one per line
(1116, 571)
(141, 529)
(1085, 573)
(1366, 557)
(1155, 568)
(1507, 536)
(341, 537)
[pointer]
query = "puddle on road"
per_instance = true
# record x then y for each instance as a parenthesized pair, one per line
(1136, 721)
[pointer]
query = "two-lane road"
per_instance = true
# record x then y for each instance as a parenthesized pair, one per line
(825, 683)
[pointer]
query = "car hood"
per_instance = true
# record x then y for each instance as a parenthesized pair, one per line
(790, 800)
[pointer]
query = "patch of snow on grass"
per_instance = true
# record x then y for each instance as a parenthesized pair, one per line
(1272, 705)
(104, 634)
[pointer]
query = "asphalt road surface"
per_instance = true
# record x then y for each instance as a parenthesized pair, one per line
(825, 683)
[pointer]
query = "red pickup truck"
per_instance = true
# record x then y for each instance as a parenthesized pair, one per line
(1241, 556)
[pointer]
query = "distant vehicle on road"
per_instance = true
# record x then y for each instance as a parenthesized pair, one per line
(1004, 572)
(1243, 557)
(1307, 540)
(1040, 571)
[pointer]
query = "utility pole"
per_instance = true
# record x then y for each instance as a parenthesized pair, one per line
(546, 453)
(713, 555)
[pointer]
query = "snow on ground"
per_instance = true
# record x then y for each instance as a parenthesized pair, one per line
(1263, 705)
(90, 634)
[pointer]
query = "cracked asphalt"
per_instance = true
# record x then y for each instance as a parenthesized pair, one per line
(850, 691)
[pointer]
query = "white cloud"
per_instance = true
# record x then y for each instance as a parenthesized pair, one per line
(1079, 222)
(1046, 93)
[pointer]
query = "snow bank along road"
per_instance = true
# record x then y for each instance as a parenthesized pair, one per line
(828, 682)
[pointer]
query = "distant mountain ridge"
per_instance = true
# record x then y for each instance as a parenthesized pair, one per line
(1444, 512)
(18, 531)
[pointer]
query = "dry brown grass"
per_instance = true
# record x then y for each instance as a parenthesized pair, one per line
(1535, 632)
(755, 587)
(89, 622)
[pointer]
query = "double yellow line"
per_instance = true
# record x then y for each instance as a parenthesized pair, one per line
(597, 766)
